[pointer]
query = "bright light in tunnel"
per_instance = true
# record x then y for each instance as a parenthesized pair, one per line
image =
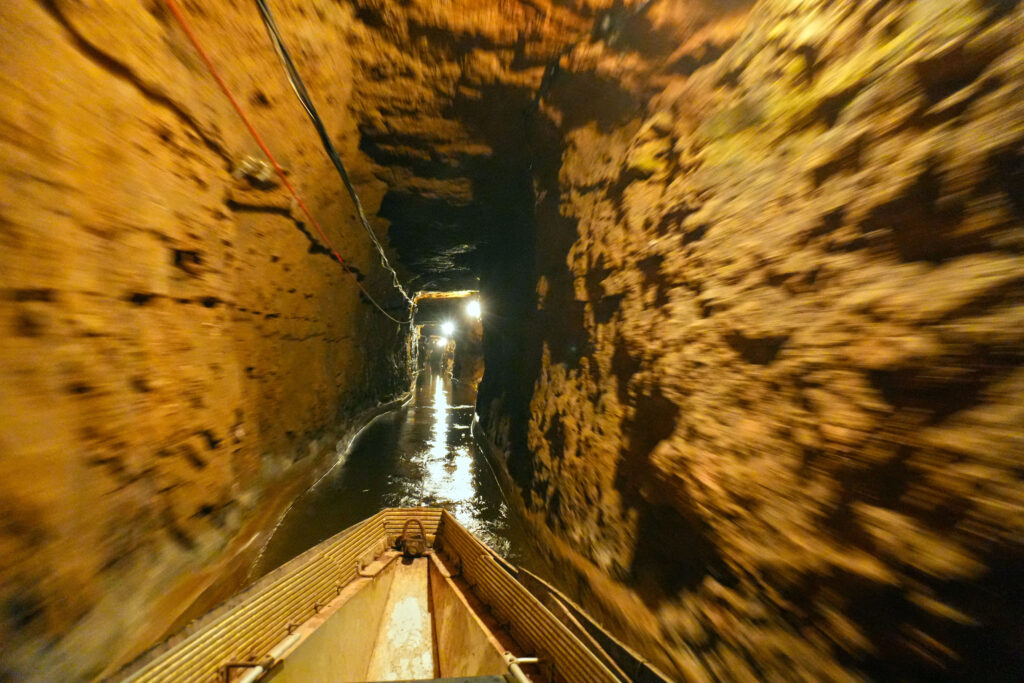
(473, 309)
(447, 328)
(442, 341)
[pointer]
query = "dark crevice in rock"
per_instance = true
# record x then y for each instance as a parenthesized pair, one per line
(141, 385)
(654, 420)
(555, 437)
(453, 45)
(175, 532)
(606, 308)
(624, 366)
(595, 276)
(1000, 8)
(947, 73)
(756, 350)
(26, 324)
(695, 234)
(41, 294)
(658, 571)
(831, 107)
(672, 221)
(939, 392)
(650, 268)
(187, 260)
(141, 298)
(920, 227)
(584, 97)
(1008, 174)
(707, 54)
(211, 440)
(847, 160)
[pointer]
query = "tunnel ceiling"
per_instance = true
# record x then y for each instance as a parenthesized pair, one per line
(431, 311)
(423, 70)
(444, 99)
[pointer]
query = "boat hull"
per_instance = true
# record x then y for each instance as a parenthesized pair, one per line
(355, 608)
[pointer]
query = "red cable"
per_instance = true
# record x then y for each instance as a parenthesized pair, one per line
(176, 11)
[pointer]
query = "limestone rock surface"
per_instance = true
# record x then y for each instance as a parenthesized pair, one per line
(773, 355)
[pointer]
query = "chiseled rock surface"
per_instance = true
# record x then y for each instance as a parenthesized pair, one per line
(440, 96)
(776, 429)
(178, 353)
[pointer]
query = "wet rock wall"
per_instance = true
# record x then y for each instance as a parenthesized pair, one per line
(180, 353)
(765, 404)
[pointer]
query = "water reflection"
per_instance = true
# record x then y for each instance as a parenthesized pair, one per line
(421, 454)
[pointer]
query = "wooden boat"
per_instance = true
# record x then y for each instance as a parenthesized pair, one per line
(408, 594)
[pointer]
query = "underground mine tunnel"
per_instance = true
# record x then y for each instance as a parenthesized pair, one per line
(707, 315)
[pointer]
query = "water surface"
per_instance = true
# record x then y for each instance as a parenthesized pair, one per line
(420, 454)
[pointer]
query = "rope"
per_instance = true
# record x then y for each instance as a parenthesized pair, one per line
(307, 103)
(183, 22)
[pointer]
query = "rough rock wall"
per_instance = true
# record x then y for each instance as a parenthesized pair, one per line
(441, 93)
(773, 356)
(773, 323)
(178, 348)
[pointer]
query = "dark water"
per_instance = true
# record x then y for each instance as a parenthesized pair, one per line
(421, 454)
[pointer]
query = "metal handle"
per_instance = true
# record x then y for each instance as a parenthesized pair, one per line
(410, 546)
(405, 528)
(514, 669)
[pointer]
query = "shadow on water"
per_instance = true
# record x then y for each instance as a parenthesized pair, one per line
(420, 454)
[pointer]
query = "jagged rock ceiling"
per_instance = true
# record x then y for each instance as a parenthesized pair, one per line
(448, 100)
(441, 91)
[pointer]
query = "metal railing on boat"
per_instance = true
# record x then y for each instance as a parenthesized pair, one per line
(251, 629)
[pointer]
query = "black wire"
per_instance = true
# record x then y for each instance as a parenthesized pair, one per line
(307, 103)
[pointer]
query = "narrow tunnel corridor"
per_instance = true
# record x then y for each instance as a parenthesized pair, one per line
(742, 373)
(422, 453)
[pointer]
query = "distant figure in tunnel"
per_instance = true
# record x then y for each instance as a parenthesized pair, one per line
(439, 358)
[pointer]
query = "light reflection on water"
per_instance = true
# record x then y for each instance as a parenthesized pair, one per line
(420, 454)
(448, 477)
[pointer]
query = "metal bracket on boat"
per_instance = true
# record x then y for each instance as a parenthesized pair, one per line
(514, 668)
(258, 669)
(225, 670)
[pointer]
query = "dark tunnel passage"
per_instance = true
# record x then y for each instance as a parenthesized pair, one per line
(708, 313)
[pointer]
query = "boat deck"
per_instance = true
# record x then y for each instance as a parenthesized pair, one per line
(405, 641)
(355, 609)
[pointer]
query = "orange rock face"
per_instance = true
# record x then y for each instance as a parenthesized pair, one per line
(774, 424)
(178, 351)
